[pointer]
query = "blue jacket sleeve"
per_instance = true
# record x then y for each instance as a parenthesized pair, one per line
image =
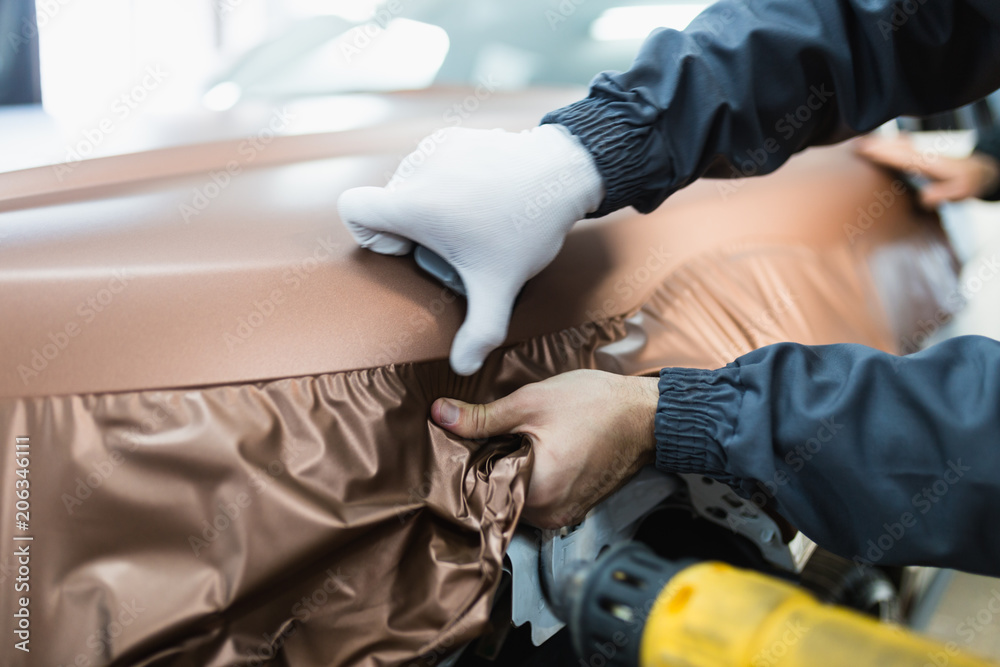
(989, 144)
(749, 83)
(882, 459)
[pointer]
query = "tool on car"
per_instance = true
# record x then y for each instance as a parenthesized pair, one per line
(632, 608)
(437, 266)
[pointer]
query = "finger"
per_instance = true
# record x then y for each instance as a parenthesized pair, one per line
(897, 154)
(898, 159)
(940, 169)
(370, 214)
(485, 326)
(389, 244)
(935, 194)
(474, 421)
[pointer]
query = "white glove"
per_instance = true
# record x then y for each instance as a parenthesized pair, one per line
(495, 205)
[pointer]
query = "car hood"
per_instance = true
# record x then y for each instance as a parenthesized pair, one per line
(222, 259)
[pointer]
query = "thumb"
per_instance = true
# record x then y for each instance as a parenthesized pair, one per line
(485, 326)
(370, 214)
(474, 421)
(894, 153)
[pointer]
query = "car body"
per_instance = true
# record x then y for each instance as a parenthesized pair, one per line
(231, 459)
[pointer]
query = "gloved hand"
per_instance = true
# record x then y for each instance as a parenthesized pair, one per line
(495, 205)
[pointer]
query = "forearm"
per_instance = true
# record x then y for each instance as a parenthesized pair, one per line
(893, 460)
(749, 84)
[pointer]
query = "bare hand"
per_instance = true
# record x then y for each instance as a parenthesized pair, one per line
(952, 179)
(590, 431)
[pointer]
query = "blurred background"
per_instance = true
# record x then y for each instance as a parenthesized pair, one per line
(219, 51)
(207, 69)
(214, 54)
(91, 61)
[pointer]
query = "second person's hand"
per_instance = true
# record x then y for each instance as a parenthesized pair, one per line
(951, 179)
(590, 432)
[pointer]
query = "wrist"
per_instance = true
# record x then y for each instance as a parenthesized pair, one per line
(646, 398)
(697, 412)
(624, 150)
(578, 173)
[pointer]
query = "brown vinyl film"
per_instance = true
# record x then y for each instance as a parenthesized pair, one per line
(319, 520)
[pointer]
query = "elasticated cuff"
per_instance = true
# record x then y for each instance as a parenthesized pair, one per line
(617, 146)
(989, 144)
(696, 415)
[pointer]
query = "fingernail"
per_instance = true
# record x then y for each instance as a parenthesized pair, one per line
(449, 413)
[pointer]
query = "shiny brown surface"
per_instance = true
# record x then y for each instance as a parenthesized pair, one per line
(365, 534)
(314, 521)
(113, 290)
